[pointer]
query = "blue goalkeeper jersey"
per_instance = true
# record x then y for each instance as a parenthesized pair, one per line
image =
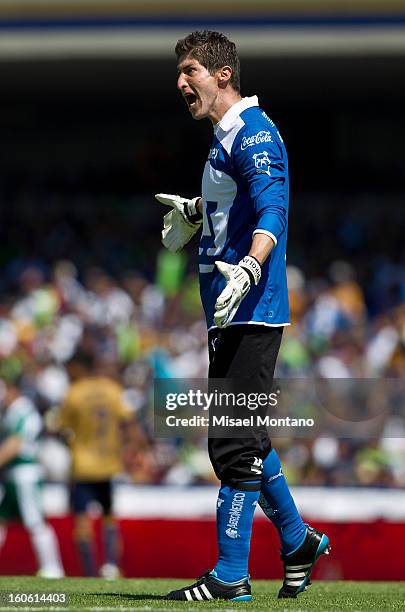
(245, 191)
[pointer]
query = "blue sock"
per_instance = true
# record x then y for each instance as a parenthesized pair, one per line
(235, 510)
(278, 505)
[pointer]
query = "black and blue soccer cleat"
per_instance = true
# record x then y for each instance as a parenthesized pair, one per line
(208, 587)
(299, 565)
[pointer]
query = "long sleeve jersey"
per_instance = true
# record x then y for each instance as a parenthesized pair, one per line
(245, 191)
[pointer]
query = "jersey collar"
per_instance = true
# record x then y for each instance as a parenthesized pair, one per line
(232, 113)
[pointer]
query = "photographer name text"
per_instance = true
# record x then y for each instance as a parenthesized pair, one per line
(254, 420)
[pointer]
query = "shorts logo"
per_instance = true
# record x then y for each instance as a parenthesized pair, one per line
(262, 163)
(257, 467)
(213, 154)
(214, 342)
(259, 138)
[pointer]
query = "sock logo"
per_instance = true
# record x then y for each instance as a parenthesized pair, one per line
(265, 506)
(220, 501)
(234, 515)
(276, 476)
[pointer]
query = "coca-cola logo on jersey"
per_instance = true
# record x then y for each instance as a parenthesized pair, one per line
(258, 138)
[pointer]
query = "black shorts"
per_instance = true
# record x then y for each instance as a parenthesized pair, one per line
(84, 492)
(243, 352)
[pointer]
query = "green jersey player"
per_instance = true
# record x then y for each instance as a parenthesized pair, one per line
(21, 477)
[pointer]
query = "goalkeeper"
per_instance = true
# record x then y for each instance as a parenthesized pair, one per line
(242, 263)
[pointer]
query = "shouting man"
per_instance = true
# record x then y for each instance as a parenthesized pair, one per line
(242, 263)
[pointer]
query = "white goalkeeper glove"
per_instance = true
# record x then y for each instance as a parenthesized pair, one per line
(181, 223)
(239, 279)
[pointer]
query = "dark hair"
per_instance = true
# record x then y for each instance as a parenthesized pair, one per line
(213, 50)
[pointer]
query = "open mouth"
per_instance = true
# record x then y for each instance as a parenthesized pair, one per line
(191, 99)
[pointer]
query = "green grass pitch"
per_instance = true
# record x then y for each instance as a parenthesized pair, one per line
(124, 595)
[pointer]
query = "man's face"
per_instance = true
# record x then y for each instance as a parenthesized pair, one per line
(198, 87)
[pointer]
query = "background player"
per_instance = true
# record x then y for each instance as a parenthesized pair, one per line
(94, 415)
(244, 211)
(20, 499)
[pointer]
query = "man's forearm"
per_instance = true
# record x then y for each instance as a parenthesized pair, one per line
(261, 247)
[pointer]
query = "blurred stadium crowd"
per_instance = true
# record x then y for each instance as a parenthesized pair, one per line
(146, 323)
(81, 267)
